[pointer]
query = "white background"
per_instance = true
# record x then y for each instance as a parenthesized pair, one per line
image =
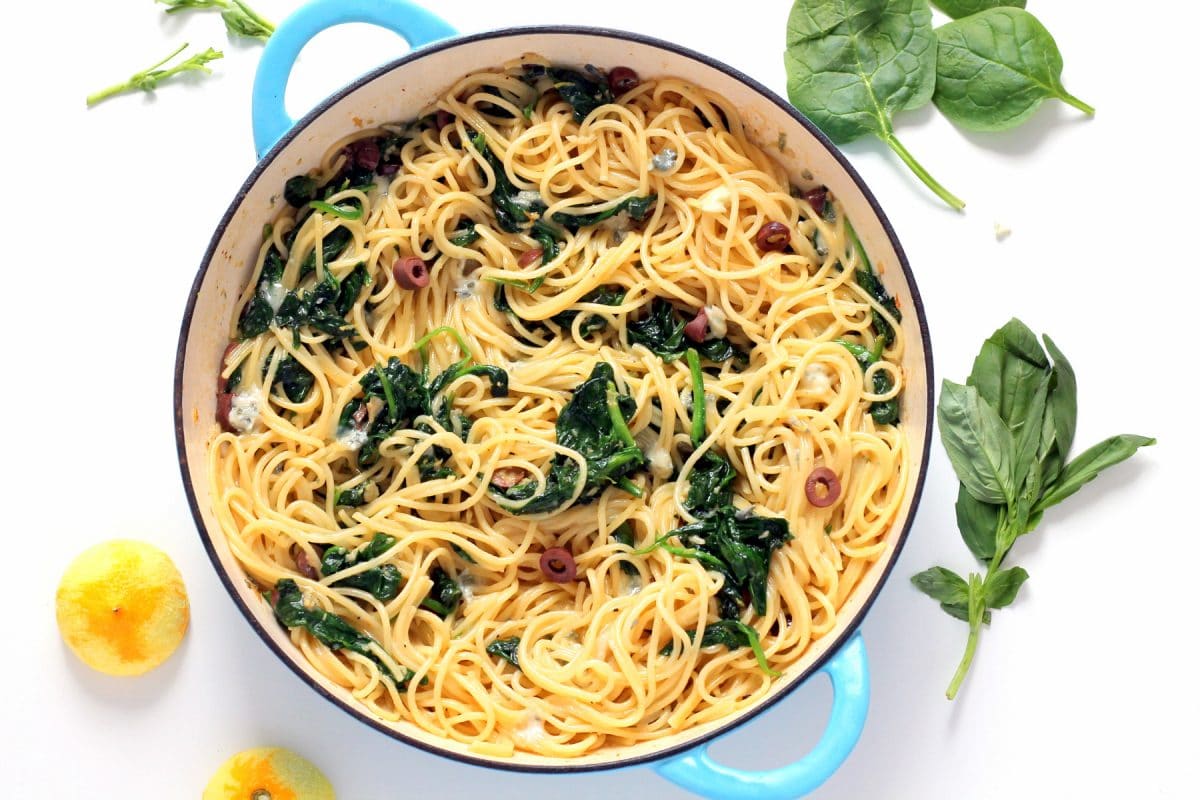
(1086, 687)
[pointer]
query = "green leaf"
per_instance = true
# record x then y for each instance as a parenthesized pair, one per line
(852, 64)
(1027, 470)
(978, 523)
(1000, 588)
(1061, 414)
(978, 442)
(506, 649)
(942, 585)
(994, 69)
(148, 79)
(1007, 371)
(965, 8)
(1087, 465)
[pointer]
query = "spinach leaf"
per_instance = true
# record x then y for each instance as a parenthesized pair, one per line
(638, 209)
(465, 236)
(866, 277)
(515, 210)
(506, 649)
(324, 307)
(994, 69)
(332, 245)
(1087, 465)
(733, 634)
(661, 332)
(382, 582)
(965, 8)
(353, 496)
(593, 423)
(257, 316)
(584, 91)
(852, 64)
(300, 190)
(328, 629)
(296, 381)
(980, 446)
(741, 544)
(601, 295)
(884, 412)
(624, 535)
(444, 597)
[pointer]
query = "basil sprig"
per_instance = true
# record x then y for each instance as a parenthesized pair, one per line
(1008, 433)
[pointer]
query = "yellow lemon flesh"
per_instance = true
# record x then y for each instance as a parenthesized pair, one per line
(122, 607)
(268, 773)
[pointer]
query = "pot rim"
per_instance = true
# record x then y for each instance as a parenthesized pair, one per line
(261, 166)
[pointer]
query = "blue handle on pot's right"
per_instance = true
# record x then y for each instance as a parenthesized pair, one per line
(847, 671)
(271, 120)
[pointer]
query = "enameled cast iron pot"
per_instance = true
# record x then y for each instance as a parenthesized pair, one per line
(398, 91)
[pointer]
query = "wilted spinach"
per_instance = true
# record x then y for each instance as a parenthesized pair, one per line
(661, 332)
(732, 634)
(884, 412)
(446, 594)
(595, 424)
(506, 649)
(584, 91)
(328, 629)
(382, 582)
(1008, 432)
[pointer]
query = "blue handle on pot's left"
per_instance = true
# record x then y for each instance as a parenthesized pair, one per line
(271, 120)
(847, 671)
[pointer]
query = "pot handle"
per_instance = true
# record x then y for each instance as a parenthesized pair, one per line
(416, 25)
(847, 671)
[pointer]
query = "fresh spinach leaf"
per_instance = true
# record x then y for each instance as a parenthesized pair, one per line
(328, 629)
(996, 67)
(965, 8)
(852, 64)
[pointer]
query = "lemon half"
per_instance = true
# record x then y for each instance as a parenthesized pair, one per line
(268, 773)
(122, 607)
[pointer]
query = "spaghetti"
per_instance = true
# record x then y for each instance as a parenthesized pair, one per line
(396, 463)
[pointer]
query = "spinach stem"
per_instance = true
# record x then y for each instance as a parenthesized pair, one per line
(388, 394)
(618, 419)
(699, 423)
(1072, 100)
(458, 337)
(907, 157)
(630, 486)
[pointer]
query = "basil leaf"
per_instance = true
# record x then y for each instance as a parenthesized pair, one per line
(1001, 587)
(1061, 414)
(978, 442)
(978, 522)
(994, 69)
(942, 585)
(852, 64)
(965, 8)
(1087, 465)
(1025, 463)
(1007, 370)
